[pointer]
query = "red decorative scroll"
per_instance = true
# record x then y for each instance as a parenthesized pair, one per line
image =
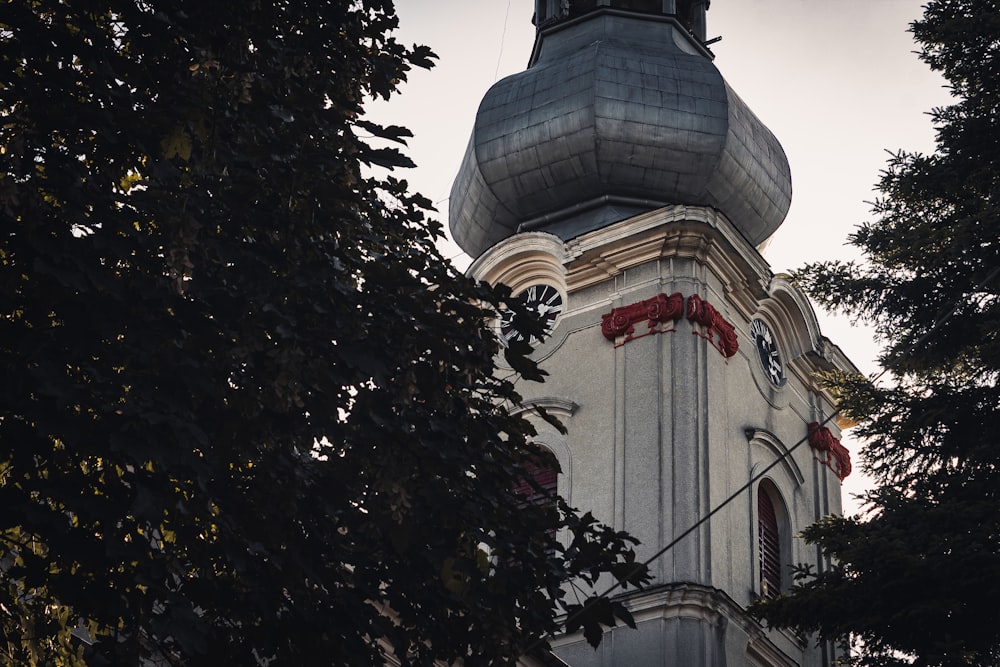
(834, 455)
(719, 332)
(660, 309)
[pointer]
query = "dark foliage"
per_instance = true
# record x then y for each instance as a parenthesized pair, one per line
(248, 413)
(915, 578)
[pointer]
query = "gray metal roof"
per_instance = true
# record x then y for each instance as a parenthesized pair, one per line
(620, 113)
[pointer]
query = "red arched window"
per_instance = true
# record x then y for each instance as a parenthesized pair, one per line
(769, 541)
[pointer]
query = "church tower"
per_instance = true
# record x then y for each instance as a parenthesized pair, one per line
(627, 190)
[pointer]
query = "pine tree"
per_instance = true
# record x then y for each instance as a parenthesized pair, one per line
(914, 580)
(248, 412)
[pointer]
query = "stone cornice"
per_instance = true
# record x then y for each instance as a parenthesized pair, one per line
(685, 232)
(693, 601)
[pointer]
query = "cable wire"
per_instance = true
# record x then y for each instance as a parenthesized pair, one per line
(503, 38)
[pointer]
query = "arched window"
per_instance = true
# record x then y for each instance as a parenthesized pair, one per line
(770, 549)
(545, 477)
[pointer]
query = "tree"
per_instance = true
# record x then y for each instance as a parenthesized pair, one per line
(914, 579)
(248, 412)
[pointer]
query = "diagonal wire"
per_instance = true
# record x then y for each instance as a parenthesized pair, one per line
(503, 37)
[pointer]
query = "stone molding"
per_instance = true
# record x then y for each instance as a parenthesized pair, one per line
(523, 260)
(770, 442)
(702, 603)
(554, 405)
(696, 233)
(687, 232)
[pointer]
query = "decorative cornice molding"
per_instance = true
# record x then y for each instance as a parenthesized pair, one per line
(685, 232)
(697, 602)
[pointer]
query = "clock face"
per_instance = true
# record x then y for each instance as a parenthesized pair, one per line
(767, 351)
(545, 300)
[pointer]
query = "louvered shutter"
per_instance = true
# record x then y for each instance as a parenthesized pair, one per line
(545, 477)
(770, 546)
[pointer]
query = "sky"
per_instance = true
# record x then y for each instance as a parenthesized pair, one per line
(837, 82)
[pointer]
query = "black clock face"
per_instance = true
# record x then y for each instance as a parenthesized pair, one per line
(767, 350)
(544, 300)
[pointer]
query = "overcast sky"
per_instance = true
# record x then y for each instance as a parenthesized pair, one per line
(836, 81)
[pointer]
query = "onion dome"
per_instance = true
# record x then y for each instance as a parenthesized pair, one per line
(621, 111)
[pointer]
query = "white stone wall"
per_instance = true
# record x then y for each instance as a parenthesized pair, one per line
(665, 428)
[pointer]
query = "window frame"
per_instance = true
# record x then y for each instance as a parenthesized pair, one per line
(772, 548)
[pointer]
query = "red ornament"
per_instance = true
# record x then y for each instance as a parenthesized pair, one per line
(835, 455)
(655, 311)
(720, 332)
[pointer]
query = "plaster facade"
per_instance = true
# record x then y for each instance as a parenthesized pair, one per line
(663, 428)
